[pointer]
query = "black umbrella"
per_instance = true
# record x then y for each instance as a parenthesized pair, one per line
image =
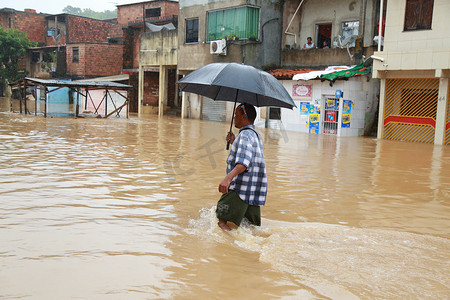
(237, 83)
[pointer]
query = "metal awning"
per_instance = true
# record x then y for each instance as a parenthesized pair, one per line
(79, 84)
(81, 88)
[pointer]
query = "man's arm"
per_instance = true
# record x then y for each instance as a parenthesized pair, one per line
(225, 183)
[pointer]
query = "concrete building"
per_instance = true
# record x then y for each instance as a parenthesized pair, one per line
(345, 106)
(138, 21)
(226, 31)
(414, 69)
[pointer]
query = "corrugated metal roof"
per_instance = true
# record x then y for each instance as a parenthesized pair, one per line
(120, 77)
(53, 82)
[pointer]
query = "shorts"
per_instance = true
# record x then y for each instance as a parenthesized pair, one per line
(231, 208)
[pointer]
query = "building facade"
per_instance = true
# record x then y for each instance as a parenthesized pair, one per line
(342, 33)
(76, 47)
(226, 31)
(414, 69)
(68, 46)
(27, 21)
(138, 21)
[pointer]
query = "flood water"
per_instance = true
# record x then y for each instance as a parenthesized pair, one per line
(124, 209)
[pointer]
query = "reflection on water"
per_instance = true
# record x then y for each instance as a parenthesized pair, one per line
(123, 209)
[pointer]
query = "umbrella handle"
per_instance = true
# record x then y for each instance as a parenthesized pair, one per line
(232, 119)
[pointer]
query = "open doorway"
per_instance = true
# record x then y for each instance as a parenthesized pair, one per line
(323, 34)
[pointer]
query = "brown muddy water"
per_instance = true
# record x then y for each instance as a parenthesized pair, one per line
(124, 209)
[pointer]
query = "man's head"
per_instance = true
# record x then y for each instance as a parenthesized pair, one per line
(245, 115)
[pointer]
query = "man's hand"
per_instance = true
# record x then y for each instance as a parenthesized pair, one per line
(230, 137)
(224, 184)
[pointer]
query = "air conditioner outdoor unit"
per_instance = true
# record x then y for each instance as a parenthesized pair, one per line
(218, 47)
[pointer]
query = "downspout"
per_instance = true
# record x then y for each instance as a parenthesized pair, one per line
(380, 25)
(363, 19)
(290, 22)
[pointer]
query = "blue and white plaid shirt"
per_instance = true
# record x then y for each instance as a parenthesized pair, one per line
(251, 185)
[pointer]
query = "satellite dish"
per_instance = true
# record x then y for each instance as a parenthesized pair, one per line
(348, 40)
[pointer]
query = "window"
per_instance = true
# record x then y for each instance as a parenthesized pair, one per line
(274, 113)
(241, 22)
(153, 12)
(41, 93)
(323, 35)
(192, 31)
(349, 29)
(9, 23)
(418, 14)
(76, 54)
(52, 31)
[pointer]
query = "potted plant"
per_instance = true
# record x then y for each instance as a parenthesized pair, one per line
(252, 37)
(232, 37)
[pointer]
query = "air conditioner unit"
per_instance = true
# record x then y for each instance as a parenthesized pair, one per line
(218, 47)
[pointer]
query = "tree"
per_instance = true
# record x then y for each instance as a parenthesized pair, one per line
(72, 10)
(89, 13)
(13, 46)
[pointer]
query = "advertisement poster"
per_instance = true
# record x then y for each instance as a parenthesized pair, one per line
(314, 123)
(345, 120)
(314, 109)
(331, 104)
(304, 108)
(347, 107)
(302, 91)
(346, 113)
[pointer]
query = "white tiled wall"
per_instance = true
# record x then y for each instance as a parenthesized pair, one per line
(363, 94)
(417, 49)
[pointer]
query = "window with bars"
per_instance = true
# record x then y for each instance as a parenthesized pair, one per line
(418, 14)
(330, 122)
(240, 22)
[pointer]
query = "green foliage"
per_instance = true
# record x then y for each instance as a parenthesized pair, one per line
(13, 46)
(89, 13)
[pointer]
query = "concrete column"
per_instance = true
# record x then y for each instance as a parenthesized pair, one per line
(184, 100)
(441, 117)
(381, 108)
(140, 89)
(163, 86)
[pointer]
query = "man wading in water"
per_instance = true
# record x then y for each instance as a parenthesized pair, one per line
(244, 189)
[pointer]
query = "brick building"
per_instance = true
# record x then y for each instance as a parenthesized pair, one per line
(93, 59)
(134, 20)
(68, 46)
(27, 21)
(77, 47)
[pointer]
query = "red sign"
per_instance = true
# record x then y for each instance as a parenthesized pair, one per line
(302, 91)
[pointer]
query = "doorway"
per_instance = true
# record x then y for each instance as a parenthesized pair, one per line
(323, 34)
(331, 116)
